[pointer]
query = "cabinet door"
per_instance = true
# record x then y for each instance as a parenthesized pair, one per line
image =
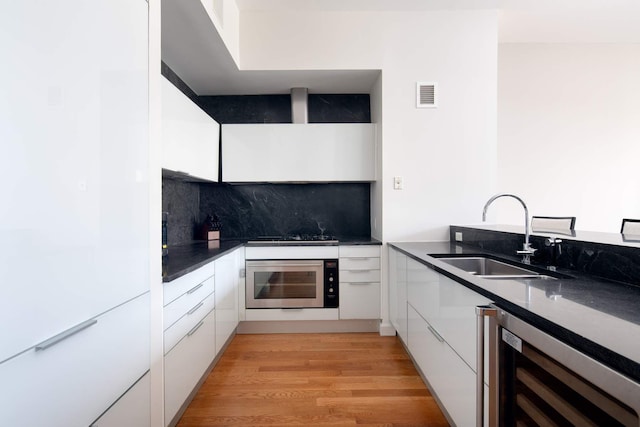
(450, 378)
(398, 292)
(359, 300)
(186, 363)
(132, 409)
(456, 319)
(72, 381)
(74, 132)
(294, 152)
(190, 137)
(226, 295)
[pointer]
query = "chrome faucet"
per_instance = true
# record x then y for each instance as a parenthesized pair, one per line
(527, 250)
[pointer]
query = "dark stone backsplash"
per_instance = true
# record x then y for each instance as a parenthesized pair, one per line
(254, 210)
(182, 202)
(613, 262)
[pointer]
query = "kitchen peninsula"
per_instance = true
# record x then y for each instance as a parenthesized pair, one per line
(596, 315)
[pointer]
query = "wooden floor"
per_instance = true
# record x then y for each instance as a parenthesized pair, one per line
(314, 379)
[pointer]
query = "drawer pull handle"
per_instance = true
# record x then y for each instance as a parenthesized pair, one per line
(435, 333)
(195, 328)
(195, 288)
(64, 335)
(360, 271)
(360, 283)
(360, 259)
(194, 309)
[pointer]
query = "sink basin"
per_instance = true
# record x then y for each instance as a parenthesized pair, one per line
(489, 268)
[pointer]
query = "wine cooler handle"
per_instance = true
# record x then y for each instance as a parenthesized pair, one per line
(482, 311)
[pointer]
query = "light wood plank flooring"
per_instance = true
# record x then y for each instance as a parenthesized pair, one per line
(314, 379)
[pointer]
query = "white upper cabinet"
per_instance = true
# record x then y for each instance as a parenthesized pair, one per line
(318, 152)
(190, 137)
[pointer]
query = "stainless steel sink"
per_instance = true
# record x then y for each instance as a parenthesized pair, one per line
(489, 268)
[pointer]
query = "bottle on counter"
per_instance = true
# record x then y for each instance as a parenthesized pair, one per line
(165, 246)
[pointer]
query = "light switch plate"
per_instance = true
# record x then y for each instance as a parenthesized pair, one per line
(397, 183)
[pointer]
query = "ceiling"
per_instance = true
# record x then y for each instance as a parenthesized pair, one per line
(207, 67)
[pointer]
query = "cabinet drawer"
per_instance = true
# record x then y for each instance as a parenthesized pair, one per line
(292, 314)
(452, 380)
(358, 251)
(132, 409)
(175, 288)
(187, 322)
(185, 302)
(73, 381)
(360, 300)
(359, 276)
(185, 364)
(363, 263)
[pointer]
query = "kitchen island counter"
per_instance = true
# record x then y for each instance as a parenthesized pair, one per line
(598, 317)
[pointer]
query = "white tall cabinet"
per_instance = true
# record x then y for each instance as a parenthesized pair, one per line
(75, 208)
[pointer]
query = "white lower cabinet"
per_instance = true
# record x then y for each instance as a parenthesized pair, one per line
(226, 295)
(132, 409)
(398, 292)
(185, 364)
(440, 332)
(73, 378)
(359, 280)
(451, 378)
(200, 314)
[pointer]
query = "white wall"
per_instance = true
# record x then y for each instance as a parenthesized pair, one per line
(447, 156)
(573, 112)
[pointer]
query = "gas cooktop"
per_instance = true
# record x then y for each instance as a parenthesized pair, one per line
(295, 239)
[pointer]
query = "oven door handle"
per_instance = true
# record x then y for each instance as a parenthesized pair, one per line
(482, 311)
(280, 264)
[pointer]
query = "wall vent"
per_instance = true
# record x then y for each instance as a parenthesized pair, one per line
(426, 95)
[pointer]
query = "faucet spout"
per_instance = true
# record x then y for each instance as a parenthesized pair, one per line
(527, 250)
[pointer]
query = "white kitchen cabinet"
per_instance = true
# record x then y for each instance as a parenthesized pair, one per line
(359, 281)
(453, 381)
(72, 379)
(398, 292)
(186, 363)
(187, 283)
(176, 310)
(190, 137)
(74, 132)
(131, 409)
(227, 284)
(442, 337)
(74, 126)
(298, 152)
(189, 320)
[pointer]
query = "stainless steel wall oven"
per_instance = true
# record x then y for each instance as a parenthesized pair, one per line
(295, 283)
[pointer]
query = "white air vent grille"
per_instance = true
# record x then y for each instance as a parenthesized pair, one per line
(426, 95)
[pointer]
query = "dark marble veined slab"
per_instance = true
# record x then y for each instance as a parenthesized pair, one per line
(606, 255)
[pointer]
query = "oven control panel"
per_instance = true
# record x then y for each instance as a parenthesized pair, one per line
(331, 286)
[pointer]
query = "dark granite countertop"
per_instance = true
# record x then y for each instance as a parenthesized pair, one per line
(183, 259)
(599, 317)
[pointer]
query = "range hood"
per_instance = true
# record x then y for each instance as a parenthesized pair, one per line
(299, 105)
